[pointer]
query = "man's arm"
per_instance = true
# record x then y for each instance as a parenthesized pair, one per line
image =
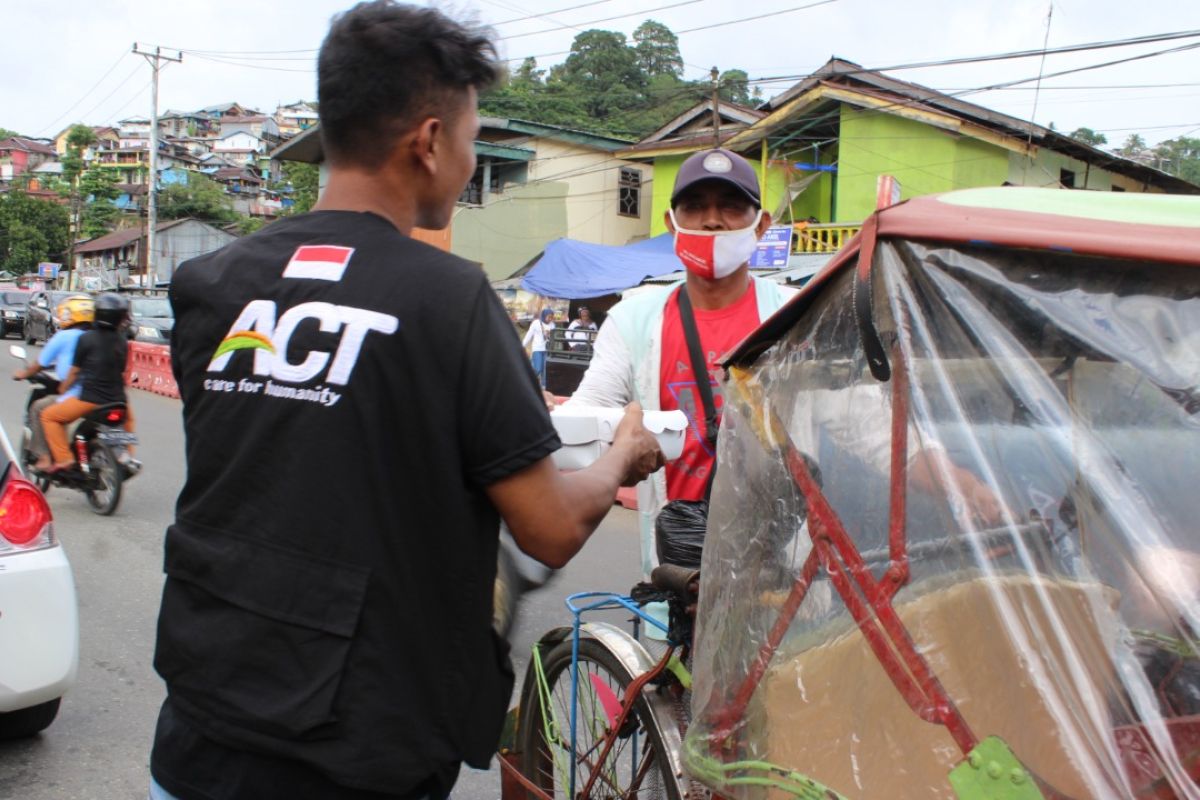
(608, 381)
(45, 360)
(551, 514)
(69, 381)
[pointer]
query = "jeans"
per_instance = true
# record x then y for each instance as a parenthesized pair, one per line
(539, 365)
(159, 793)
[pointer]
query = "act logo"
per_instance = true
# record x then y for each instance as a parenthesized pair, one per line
(258, 328)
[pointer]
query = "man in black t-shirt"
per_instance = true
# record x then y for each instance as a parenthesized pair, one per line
(99, 369)
(358, 415)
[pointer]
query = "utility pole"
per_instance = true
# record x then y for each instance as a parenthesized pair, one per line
(154, 60)
(716, 101)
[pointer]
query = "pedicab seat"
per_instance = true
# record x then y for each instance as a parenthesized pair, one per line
(833, 714)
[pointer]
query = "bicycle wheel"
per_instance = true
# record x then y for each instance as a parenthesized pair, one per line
(635, 766)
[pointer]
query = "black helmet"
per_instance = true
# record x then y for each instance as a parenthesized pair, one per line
(111, 310)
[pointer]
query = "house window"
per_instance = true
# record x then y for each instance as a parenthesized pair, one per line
(629, 200)
(1067, 178)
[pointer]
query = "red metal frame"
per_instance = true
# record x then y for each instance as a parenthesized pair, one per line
(868, 600)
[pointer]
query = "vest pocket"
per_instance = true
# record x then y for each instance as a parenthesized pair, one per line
(253, 634)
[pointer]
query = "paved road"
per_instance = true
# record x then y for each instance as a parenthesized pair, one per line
(98, 747)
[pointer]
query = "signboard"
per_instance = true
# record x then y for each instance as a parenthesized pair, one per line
(773, 248)
(48, 269)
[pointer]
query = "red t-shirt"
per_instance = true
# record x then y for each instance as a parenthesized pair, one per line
(720, 330)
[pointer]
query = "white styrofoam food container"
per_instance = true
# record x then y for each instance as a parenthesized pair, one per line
(587, 432)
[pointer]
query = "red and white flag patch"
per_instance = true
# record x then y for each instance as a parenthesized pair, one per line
(322, 262)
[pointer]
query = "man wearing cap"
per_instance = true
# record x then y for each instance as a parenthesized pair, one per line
(641, 352)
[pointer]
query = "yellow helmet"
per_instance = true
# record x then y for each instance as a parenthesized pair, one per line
(75, 310)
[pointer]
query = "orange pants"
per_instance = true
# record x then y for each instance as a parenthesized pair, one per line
(56, 418)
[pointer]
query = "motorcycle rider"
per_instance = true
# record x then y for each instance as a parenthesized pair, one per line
(74, 316)
(99, 367)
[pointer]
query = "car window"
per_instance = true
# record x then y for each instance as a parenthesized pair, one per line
(15, 298)
(151, 307)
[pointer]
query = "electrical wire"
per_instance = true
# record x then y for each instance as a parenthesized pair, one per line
(86, 94)
(750, 19)
(703, 27)
(596, 21)
(124, 82)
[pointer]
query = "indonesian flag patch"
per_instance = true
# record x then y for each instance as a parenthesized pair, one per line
(322, 262)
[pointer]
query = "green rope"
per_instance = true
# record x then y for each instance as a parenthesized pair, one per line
(550, 729)
(717, 774)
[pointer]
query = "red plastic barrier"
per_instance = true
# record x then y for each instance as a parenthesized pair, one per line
(149, 368)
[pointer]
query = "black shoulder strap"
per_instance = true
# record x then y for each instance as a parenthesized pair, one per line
(699, 365)
(703, 384)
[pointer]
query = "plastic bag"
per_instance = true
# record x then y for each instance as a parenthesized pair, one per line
(679, 532)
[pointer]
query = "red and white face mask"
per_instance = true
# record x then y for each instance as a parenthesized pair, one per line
(715, 254)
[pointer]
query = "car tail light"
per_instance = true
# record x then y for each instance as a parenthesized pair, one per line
(116, 415)
(24, 513)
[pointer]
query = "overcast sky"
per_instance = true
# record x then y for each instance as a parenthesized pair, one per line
(69, 61)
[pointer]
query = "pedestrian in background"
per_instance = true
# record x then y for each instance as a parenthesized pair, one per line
(535, 341)
(579, 329)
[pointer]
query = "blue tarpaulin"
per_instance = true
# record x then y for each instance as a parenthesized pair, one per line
(574, 270)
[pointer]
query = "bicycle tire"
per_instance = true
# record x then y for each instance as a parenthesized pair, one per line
(637, 750)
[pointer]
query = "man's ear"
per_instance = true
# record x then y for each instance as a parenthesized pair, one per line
(763, 223)
(424, 144)
(670, 222)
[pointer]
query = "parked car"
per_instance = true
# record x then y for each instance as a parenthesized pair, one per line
(151, 319)
(12, 311)
(40, 323)
(39, 634)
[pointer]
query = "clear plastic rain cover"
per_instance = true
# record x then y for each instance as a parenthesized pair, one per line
(978, 578)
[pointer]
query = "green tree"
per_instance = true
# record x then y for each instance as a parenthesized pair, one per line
(1089, 136)
(528, 76)
(657, 50)
(1180, 157)
(1134, 145)
(304, 180)
(734, 86)
(98, 187)
(5, 133)
(248, 225)
(31, 231)
(603, 70)
(201, 198)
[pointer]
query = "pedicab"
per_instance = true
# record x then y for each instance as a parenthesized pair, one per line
(867, 628)
(952, 549)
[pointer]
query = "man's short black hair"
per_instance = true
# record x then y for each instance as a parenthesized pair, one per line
(385, 66)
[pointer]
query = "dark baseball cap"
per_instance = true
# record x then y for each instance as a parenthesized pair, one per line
(717, 165)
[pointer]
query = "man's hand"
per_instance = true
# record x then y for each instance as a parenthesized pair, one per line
(643, 453)
(19, 375)
(982, 504)
(550, 400)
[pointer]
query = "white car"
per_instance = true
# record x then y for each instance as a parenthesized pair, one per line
(39, 623)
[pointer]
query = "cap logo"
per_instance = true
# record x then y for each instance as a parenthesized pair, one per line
(718, 163)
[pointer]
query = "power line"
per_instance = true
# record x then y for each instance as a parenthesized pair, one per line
(232, 63)
(595, 21)
(86, 94)
(124, 82)
(554, 11)
(1014, 54)
(759, 16)
(703, 27)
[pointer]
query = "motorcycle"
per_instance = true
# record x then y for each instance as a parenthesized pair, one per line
(99, 445)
